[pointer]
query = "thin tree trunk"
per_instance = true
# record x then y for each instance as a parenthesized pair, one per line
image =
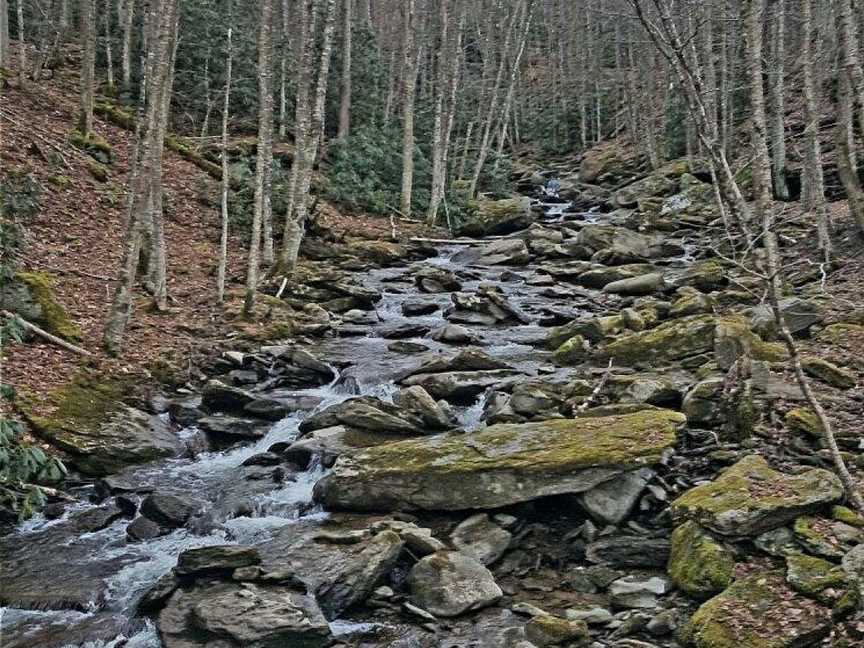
(438, 168)
(265, 143)
(345, 100)
(847, 35)
(846, 168)
(126, 55)
(283, 70)
(4, 33)
(777, 91)
(391, 88)
(226, 178)
(88, 62)
(813, 159)
(463, 163)
(409, 83)
(109, 55)
(208, 101)
(22, 50)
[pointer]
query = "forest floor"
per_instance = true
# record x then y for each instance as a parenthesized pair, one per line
(76, 236)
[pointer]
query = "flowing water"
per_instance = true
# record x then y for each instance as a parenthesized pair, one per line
(119, 572)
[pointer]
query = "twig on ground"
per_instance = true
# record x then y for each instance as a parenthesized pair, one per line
(45, 334)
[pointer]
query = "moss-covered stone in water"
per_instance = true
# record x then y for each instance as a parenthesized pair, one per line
(500, 465)
(750, 498)
(53, 318)
(759, 611)
(813, 576)
(698, 564)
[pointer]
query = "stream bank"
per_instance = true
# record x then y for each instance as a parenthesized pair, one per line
(513, 443)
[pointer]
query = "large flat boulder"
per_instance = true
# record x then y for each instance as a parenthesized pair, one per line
(500, 465)
(496, 217)
(751, 498)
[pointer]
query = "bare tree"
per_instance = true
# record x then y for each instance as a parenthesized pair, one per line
(109, 55)
(88, 63)
(4, 33)
(850, 57)
(226, 178)
(264, 156)
(777, 100)
(409, 83)
(345, 100)
(815, 179)
(128, 17)
(22, 50)
(145, 198)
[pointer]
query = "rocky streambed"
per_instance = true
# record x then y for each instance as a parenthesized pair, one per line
(546, 438)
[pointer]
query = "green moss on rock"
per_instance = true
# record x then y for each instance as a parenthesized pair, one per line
(804, 421)
(500, 465)
(750, 498)
(572, 352)
(698, 564)
(53, 317)
(813, 576)
(757, 612)
(668, 342)
(847, 516)
(829, 373)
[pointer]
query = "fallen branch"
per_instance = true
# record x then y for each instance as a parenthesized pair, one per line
(599, 388)
(46, 335)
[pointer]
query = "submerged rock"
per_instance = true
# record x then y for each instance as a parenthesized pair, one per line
(750, 498)
(500, 465)
(449, 583)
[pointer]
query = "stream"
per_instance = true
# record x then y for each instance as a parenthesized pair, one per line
(91, 582)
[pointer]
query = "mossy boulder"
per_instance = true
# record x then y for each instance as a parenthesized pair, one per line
(93, 144)
(572, 352)
(609, 161)
(759, 611)
(668, 342)
(655, 184)
(487, 217)
(830, 539)
(816, 578)
(751, 498)
(500, 465)
(705, 276)
(733, 338)
(100, 433)
(828, 372)
(594, 330)
(548, 630)
(32, 296)
(804, 421)
(841, 334)
(698, 564)
(601, 275)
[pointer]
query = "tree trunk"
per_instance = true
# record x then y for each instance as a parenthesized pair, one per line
(345, 100)
(226, 178)
(409, 83)
(22, 50)
(88, 62)
(442, 58)
(161, 24)
(846, 168)
(263, 158)
(778, 103)
(126, 55)
(208, 102)
(850, 58)
(283, 70)
(306, 162)
(815, 177)
(109, 55)
(4, 33)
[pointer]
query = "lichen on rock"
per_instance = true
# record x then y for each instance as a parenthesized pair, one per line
(698, 564)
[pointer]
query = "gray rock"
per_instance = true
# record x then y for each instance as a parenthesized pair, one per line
(591, 616)
(449, 583)
(245, 614)
(624, 551)
(638, 592)
(170, 510)
(219, 397)
(501, 252)
(481, 539)
(234, 428)
(215, 559)
(454, 334)
(644, 285)
(143, 528)
(612, 502)
(800, 315)
(415, 308)
(418, 401)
